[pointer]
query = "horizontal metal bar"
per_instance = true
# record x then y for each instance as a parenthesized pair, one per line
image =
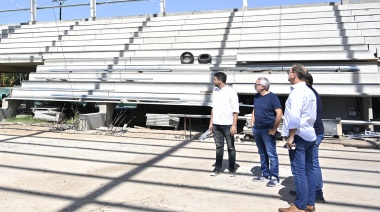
(111, 70)
(285, 68)
(71, 5)
(356, 122)
(121, 98)
(199, 116)
(265, 69)
(228, 68)
(93, 79)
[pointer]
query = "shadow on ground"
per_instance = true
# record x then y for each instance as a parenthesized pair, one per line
(288, 184)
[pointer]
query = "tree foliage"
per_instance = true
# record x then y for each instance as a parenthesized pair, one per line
(12, 79)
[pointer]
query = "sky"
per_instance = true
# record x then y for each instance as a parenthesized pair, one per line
(127, 9)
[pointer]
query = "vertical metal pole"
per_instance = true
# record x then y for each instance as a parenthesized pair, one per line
(184, 125)
(33, 11)
(245, 4)
(60, 10)
(162, 7)
(92, 9)
(190, 127)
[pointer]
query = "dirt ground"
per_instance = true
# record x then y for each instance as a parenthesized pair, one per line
(160, 170)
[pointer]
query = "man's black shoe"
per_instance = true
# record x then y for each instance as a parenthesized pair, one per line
(215, 172)
(232, 173)
(320, 199)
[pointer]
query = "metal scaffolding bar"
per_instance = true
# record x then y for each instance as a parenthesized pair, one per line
(162, 7)
(92, 9)
(33, 7)
(33, 11)
(245, 4)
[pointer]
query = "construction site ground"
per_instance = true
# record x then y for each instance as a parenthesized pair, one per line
(163, 170)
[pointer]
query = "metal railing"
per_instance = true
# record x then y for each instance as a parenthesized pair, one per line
(92, 3)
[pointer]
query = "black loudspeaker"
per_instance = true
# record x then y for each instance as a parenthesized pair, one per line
(187, 58)
(204, 58)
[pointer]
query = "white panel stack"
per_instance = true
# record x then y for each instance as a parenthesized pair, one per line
(161, 120)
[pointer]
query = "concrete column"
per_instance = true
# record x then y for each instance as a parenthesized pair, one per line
(367, 110)
(345, 2)
(92, 9)
(107, 108)
(245, 4)
(162, 7)
(9, 108)
(339, 128)
(33, 11)
(29, 104)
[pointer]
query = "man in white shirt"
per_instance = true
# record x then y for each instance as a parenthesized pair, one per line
(299, 118)
(223, 122)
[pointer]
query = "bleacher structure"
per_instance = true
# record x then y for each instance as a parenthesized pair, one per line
(137, 59)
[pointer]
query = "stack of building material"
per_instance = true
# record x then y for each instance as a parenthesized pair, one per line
(247, 129)
(161, 120)
(47, 113)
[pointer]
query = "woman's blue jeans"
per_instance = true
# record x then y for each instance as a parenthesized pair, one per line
(222, 132)
(301, 161)
(266, 145)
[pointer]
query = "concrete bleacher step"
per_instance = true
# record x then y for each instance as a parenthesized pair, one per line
(368, 25)
(94, 95)
(195, 43)
(155, 76)
(366, 12)
(56, 28)
(228, 59)
(305, 48)
(339, 16)
(251, 27)
(304, 28)
(122, 39)
(365, 55)
(280, 15)
(307, 12)
(9, 58)
(333, 89)
(372, 40)
(255, 34)
(367, 18)
(242, 82)
(360, 5)
(64, 68)
(214, 52)
(304, 42)
(76, 25)
(143, 86)
(333, 15)
(188, 45)
(196, 68)
(124, 76)
(341, 74)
